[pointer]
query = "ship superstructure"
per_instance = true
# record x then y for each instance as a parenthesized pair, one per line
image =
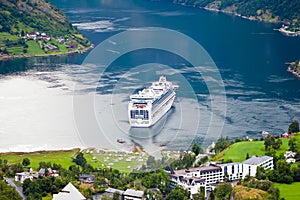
(150, 104)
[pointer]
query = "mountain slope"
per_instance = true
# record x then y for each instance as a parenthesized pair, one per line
(36, 27)
(287, 11)
(33, 15)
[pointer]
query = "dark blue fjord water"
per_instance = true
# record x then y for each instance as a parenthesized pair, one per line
(36, 93)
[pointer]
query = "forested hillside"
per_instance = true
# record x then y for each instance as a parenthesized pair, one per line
(33, 15)
(276, 10)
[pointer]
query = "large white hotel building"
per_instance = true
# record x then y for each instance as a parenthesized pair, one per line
(194, 178)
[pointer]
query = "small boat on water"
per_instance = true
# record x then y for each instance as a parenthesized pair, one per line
(121, 141)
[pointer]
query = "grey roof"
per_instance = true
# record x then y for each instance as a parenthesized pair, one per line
(113, 190)
(133, 193)
(86, 176)
(256, 160)
(42, 171)
(198, 169)
(23, 174)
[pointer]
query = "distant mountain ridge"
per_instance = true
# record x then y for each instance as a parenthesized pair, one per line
(287, 11)
(33, 15)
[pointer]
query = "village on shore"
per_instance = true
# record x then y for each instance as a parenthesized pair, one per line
(203, 176)
(41, 44)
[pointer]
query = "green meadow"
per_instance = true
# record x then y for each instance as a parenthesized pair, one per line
(123, 161)
(237, 152)
(289, 191)
(63, 158)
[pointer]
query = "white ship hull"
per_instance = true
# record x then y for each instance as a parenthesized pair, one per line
(151, 104)
(155, 114)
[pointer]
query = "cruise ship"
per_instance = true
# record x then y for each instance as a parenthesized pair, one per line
(150, 104)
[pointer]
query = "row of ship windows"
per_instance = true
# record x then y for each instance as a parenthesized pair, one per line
(139, 114)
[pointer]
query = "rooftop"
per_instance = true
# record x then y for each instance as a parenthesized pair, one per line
(69, 192)
(85, 176)
(198, 169)
(133, 193)
(113, 190)
(256, 160)
(23, 174)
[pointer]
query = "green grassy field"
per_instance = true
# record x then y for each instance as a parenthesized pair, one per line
(34, 48)
(122, 161)
(238, 151)
(59, 157)
(289, 191)
(62, 48)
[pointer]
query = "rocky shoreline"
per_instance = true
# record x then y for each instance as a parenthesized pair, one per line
(284, 30)
(294, 68)
(295, 73)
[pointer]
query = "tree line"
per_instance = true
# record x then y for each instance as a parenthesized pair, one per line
(285, 10)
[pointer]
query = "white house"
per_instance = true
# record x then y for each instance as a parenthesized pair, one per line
(290, 160)
(69, 192)
(232, 171)
(21, 177)
(290, 157)
(194, 178)
(192, 184)
(250, 165)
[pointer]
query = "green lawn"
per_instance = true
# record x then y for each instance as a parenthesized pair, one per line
(238, 151)
(97, 159)
(62, 48)
(289, 191)
(59, 157)
(284, 147)
(34, 48)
